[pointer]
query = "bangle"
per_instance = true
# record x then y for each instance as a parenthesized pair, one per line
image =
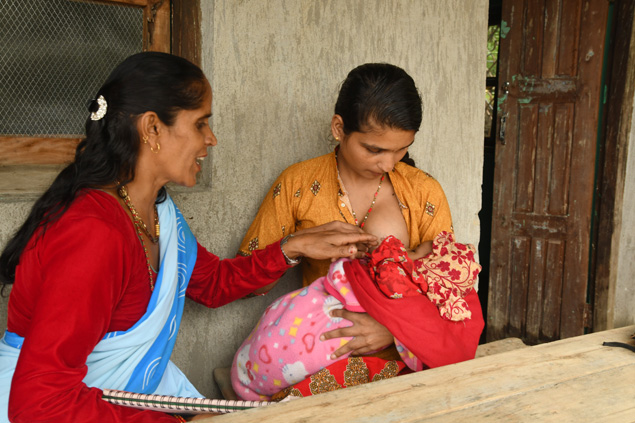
(290, 261)
(180, 418)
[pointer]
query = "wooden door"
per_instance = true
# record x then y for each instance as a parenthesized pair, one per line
(551, 55)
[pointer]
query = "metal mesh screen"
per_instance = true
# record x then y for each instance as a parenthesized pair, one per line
(54, 56)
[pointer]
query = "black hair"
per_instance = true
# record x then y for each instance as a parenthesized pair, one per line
(379, 94)
(148, 81)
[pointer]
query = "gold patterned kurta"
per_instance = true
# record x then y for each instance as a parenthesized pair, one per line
(308, 194)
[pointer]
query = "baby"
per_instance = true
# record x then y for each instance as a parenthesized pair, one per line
(284, 347)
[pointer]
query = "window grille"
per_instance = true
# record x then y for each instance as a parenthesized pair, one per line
(55, 55)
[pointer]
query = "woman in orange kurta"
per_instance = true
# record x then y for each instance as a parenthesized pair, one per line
(377, 114)
(310, 193)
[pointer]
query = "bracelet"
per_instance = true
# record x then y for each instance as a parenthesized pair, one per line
(180, 418)
(290, 261)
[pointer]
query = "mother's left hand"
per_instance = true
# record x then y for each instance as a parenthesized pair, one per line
(368, 334)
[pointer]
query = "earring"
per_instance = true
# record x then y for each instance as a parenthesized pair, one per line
(145, 141)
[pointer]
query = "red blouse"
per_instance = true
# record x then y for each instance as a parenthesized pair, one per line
(84, 277)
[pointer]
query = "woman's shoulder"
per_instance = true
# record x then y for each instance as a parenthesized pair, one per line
(94, 219)
(309, 168)
(415, 177)
(95, 202)
(98, 209)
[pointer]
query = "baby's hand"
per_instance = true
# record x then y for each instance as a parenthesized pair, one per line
(422, 250)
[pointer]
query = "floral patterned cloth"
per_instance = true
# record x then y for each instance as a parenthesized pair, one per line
(445, 276)
(450, 272)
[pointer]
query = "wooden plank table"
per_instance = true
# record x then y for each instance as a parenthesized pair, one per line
(572, 380)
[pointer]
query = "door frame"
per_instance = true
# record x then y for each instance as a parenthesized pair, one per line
(579, 319)
(613, 142)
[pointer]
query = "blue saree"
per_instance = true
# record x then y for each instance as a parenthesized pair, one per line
(136, 360)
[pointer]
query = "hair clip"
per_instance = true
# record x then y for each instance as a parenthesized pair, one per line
(101, 112)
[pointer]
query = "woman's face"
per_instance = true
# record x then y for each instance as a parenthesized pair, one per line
(370, 154)
(184, 145)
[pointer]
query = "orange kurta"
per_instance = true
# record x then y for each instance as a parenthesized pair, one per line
(308, 194)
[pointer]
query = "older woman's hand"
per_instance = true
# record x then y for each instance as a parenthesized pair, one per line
(368, 334)
(330, 241)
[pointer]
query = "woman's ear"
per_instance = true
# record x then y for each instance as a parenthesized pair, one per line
(149, 127)
(148, 124)
(337, 127)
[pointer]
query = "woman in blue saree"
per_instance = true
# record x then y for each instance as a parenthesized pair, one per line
(103, 263)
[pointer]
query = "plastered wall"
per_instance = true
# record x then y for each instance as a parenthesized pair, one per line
(275, 67)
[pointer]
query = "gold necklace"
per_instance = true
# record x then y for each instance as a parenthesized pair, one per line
(372, 204)
(140, 226)
(123, 193)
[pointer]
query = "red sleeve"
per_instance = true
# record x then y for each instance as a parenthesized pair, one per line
(217, 282)
(84, 263)
(415, 321)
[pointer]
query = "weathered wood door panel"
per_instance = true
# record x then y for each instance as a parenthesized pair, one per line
(551, 56)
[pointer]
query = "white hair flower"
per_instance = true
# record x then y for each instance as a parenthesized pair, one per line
(101, 112)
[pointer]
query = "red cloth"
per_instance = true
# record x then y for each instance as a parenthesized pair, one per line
(389, 288)
(345, 373)
(86, 276)
(393, 271)
(415, 321)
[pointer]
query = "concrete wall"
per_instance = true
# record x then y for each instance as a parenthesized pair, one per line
(275, 68)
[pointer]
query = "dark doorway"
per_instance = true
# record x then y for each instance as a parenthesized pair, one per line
(489, 145)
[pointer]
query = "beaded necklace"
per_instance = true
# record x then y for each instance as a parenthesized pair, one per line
(370, 209)
(141, 226)
(372, 204)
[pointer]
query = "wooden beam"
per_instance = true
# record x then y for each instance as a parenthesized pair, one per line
(186, 29)
(156, 26)
(36, 150)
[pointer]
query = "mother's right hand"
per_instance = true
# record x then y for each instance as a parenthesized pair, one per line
(330, 241)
